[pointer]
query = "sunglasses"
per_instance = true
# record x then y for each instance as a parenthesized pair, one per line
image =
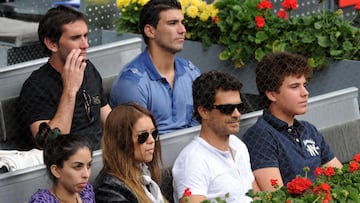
(142, 137)
(87, 103)
(228, 109)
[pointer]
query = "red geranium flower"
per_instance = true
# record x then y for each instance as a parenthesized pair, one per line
(187, 192)
(273, 182)
(353, 166)
(282, 14)
(298, 185)
(322, 188)
(357, 156)
(290, 4)
(265, 4)
(215, 19)
(329, 171)
(318, 171)
(357, 6)
(260, 21)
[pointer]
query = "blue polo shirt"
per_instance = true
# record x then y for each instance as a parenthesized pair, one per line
(273, 143)
(141, 83)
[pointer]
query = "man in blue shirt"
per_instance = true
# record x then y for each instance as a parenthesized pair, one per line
(280, 146)
(157, 79)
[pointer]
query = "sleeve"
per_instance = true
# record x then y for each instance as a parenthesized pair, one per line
(262, 148)
(41, 197)
(126, 88)
(36, 103)
(189, 171)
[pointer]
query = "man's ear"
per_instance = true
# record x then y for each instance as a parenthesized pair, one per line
(149, 31)
(52, 46)
(270, 95)
(204, 113)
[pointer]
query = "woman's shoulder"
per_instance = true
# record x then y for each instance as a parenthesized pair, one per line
(43, 196)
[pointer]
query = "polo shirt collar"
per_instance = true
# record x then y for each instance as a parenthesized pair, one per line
(152, 71)
(278, 124)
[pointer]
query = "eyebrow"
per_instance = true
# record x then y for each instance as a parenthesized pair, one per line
(141, 131)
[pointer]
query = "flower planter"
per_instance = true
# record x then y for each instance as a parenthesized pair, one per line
(339, 74)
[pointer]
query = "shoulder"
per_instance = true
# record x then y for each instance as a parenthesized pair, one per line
(259, 127)
(188, 65)
(195, 153)
(107, 186)
(237, 142)
(106, 179)
(43, 196)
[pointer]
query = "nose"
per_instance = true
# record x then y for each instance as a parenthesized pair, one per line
(182, 28)
(84, 43)
(236, 112)
(86, 173)
(304, 91)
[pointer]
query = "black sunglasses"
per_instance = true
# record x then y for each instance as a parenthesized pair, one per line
(142, 137)
(228, 109)
(87, 103)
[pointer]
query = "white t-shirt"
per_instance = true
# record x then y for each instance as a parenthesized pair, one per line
(212, 173)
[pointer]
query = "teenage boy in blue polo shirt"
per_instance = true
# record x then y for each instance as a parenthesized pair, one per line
(157, 79)
(280, 146)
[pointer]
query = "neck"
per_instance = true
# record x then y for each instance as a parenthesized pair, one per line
(220, 142)
(64, 196)
(55, 64)
(162, 60)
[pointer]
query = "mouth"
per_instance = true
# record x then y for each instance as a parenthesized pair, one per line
(150, 150)
(82, 185)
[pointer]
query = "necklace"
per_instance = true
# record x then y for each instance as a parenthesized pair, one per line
(77, 197)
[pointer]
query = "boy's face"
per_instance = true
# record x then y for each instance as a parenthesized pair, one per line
(291, 99)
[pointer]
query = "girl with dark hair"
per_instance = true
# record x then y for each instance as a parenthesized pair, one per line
(68, 160)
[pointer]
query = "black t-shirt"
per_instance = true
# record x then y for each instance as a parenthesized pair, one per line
(40, 96)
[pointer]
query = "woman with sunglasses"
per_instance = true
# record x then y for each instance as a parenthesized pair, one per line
(131, 156)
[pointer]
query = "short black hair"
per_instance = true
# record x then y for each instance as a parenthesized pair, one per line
(51, 24)
(150, 13)
(205, 86)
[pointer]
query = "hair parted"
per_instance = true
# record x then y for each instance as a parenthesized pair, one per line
(205, 86)
(58, 150)
(118, 148)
